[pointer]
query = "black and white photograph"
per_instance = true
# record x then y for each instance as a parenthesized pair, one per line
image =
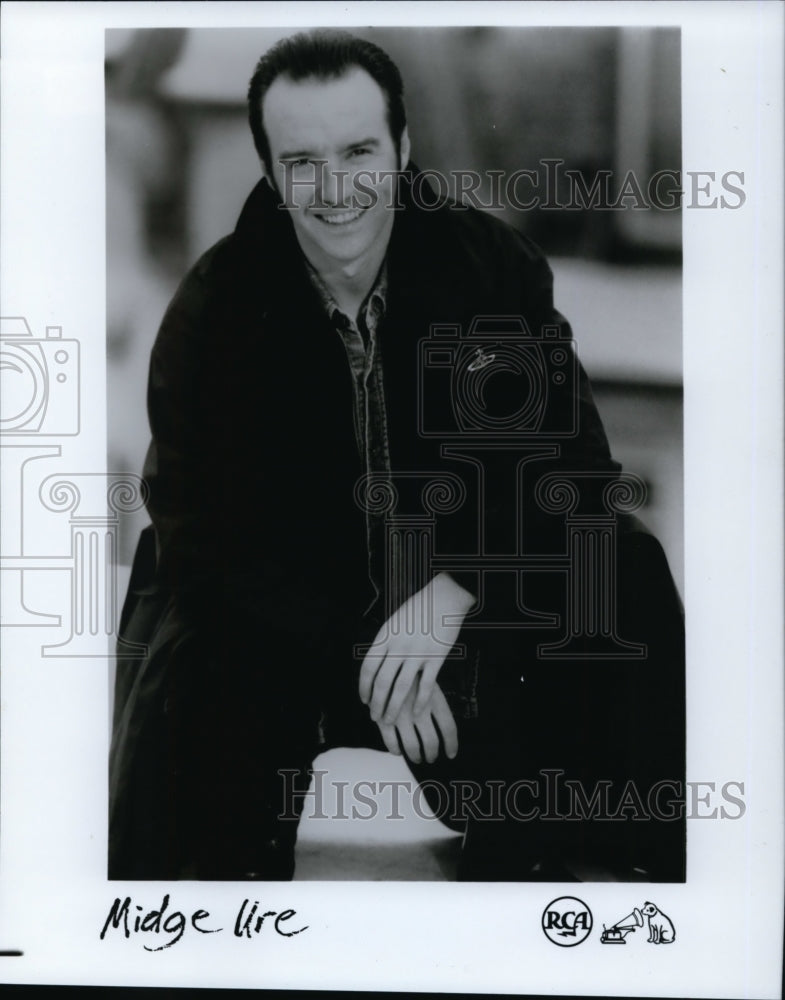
(386, 512)
(391, 430)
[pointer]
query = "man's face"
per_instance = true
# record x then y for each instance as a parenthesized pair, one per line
(341, 121)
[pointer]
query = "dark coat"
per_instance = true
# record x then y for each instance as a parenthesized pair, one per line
(253, 466)
(253, 461)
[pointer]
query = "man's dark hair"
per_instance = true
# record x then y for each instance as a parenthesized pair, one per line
(324, 55)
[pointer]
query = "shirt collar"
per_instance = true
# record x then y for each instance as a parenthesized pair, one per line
(373, 305)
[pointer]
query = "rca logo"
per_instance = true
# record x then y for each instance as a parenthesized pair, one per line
(567, 921)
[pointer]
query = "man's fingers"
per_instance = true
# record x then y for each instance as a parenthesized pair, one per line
(390, 737)
(427, 684)
(429, 737)
(422, 736)
(382, 685)
(401, 689)
(409, 741)
(373, 662)
(443, 718)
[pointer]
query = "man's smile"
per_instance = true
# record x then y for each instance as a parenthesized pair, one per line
(342, 217)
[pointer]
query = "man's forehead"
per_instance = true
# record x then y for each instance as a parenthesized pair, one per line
(328, 110)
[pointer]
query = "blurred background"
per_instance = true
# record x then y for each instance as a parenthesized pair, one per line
(180, 163)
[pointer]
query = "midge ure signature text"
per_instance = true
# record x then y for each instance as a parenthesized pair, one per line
(166, 926)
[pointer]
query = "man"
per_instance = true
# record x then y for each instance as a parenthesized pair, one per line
(291, 609)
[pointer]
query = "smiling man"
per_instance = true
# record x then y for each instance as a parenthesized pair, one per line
(321, 135)
(329, 149)
(316, 540)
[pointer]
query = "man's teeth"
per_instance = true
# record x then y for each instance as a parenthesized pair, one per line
(340, 218)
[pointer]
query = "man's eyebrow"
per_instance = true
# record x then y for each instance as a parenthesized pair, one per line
(308, 154)
(370, 141)
(301, 154)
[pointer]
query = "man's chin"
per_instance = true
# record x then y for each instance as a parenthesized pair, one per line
(342, 248)
(341, 244)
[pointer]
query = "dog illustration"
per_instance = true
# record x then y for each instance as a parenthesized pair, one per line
(661, 929)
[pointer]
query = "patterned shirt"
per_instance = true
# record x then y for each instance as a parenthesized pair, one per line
(459, 681)
(370, 416)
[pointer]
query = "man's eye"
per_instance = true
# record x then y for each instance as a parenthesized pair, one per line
(296, 164)
(359, 151)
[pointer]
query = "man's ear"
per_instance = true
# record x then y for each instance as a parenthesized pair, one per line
(406, 148)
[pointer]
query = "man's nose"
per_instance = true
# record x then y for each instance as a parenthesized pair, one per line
(331, 185)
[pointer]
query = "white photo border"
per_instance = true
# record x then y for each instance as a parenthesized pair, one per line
(54, 896)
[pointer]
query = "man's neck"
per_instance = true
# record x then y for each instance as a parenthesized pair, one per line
(349, 284)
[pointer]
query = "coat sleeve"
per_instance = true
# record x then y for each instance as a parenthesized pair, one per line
(205, 489)
(181, 469)
(568, 422)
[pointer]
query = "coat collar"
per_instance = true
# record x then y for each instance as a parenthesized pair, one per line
(419, 258)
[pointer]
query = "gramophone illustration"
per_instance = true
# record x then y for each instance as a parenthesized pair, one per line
(660, 925)
(618, 932)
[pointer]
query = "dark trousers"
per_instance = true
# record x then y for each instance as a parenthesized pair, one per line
(216, 730)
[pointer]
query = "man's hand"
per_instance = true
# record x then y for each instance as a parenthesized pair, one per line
(418, 734)
(412, 645)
